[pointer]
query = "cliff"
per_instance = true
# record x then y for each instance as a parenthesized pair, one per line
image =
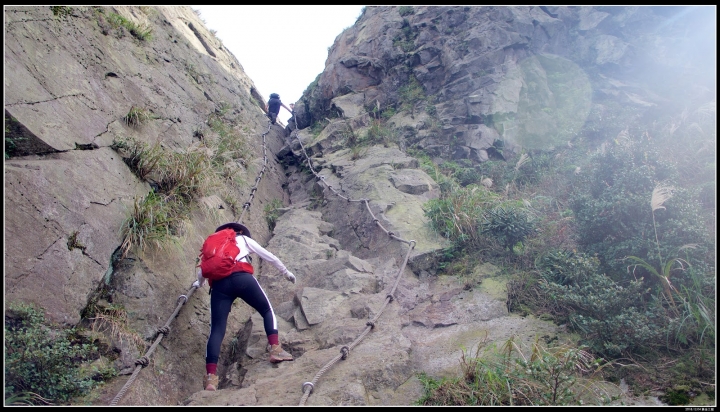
(89, 88)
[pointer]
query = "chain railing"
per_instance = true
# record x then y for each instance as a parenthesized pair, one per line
(308, 387)
(144, 361)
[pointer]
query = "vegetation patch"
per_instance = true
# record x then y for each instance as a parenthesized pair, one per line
(178, 178)
(406, 10)
(506, 376)
(61, 11)
(13, 136)
(111, 320)
(138, 115)
(614, 213)
(272, 212)
(141, 32)
(474, 217)
(405, 40)
(74, 243)
(615, 245)
(317, 127)
(379, 132)
(410, 94)
(43, 361)
(153, 220)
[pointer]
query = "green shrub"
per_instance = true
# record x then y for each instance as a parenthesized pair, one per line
(547, 376)
(462, 171)
(466, 214)
(676, 397)
(141, 158)
(10, 146)
(43, 363)
(456, 261)
(405, 44)
(467, 176)
(612, 318)
(690, 308)
(529, 170)
(508, 224)
(388, 113)
(431, 110)
(613, 214)
(565, 268)
(498, 171)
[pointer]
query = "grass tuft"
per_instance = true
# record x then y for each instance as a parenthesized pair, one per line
(139, 31)
(272, 212)
(543, 376)
(178, 178)
(137, 116)
(151, 221)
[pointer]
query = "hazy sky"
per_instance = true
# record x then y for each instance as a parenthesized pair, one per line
(282, 48)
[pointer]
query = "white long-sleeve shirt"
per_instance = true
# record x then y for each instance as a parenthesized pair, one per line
(247, 245)
(254, 247)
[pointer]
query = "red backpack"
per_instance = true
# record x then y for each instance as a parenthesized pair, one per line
(217, 256)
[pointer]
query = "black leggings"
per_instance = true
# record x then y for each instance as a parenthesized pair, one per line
(241, 285)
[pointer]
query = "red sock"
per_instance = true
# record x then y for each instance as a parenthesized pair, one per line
(273, 339)
(211, 368)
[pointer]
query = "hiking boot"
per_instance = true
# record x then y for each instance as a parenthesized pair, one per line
(277, 354)
(210, 382)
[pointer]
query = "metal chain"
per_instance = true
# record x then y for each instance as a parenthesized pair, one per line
(344, 352)
(308, 387)
(145, 360)
(246, 205)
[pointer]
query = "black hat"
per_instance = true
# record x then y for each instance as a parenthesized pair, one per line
(237, 227)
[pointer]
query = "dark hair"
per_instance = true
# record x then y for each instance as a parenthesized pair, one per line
(240, 229)
(274, 96)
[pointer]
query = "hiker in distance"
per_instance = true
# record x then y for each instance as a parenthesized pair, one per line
(273, 107)
(240, 283)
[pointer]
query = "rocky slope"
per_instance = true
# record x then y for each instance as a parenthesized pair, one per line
(455, 81)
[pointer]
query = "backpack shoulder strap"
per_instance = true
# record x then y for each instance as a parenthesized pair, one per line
(249, 258)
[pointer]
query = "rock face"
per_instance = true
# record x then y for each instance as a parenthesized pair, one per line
(72, 80)
(454, 81)
(484, 74)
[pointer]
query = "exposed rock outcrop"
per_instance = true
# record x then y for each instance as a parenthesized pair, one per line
(527, 76)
